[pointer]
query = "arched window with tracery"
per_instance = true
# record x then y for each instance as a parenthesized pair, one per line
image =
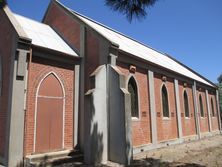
(165, 103)
(186, 104)
(132, 88)
(201, 106)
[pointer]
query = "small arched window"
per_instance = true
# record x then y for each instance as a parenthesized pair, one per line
(165, 105)
(132, 88)
(212, 107)
(201, 106)
(186, 104)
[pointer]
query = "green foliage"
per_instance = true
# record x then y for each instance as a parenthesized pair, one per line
(2, 3)
(131, 8)
(219, 79)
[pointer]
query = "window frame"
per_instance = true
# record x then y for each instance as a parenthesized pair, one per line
(1, 75)
(162, 105)
(212, 107)
(184, 105)
(201, 106)
(134, 118)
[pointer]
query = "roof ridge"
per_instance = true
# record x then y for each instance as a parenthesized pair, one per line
(105, 26)
(82, 17)
(116, 31)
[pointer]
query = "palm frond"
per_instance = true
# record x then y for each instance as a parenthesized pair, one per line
(130, 8)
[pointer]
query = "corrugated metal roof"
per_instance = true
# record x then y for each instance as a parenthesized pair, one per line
(140, 50)
(43, 35)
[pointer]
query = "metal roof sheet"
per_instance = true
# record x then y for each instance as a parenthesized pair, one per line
(43, 35)
(140, 50)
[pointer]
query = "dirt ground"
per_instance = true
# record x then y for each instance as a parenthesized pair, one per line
(206, 152)
(202, 153)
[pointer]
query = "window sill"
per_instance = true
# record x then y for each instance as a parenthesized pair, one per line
(166, 118)
(135, 118)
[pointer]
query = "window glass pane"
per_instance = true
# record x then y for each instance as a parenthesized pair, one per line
(201, 106)
(186, 104)
(1, 80)
(212, 106)
(165, 104)
(132, 88)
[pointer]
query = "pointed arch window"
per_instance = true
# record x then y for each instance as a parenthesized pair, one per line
(186, 104)
(212, 107)
(1, 76)
(165, 104)
(132, 88)
(201, 106)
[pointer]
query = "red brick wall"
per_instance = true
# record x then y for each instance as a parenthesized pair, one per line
(69, 28)
(214, 120)
(64, 25)
(141, 128)
(188, 124)
(91, 56)
(166, 128)
(7, 42)
(38, 68)
(204, 126)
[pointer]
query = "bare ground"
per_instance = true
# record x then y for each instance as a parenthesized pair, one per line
(202, 153)
(206, 152)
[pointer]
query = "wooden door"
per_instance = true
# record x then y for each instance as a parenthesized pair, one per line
(49, 116)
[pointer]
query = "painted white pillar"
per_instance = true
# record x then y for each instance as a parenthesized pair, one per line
(196, 109)
(82, 88)
(76, 105)
(179, 124)
(208, 111)
(152, 107)
(218, 111)
(18, 108)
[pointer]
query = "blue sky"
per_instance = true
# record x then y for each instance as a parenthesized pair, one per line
(190, 31)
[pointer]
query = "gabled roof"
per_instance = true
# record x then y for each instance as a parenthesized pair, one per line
(43, 35)
(140, 50)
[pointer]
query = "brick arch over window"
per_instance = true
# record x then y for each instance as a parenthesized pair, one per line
(133, 90)
(186, 104)
(212, 107)
(165, 102)
(49, 114)
(201, 106)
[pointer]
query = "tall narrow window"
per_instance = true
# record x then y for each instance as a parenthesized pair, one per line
(132, 88)
(201, 106)
(186, 104)
(165, 104)
(1, 76)
(212, 107)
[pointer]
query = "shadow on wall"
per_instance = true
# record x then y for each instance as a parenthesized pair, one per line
(94, 139)
(97, 145)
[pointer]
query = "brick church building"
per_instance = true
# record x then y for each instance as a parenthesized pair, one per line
(71, 83)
